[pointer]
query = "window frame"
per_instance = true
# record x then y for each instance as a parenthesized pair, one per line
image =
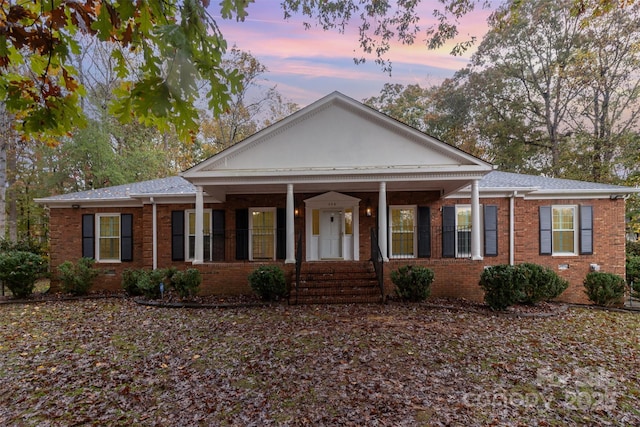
(274, 212)
(414, 254)
(188, 256)
(99, 238)
(575, 229)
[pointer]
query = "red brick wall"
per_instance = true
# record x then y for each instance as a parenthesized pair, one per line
(66, 243)
(453, 277)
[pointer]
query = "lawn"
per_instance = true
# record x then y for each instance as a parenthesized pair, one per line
(113, 362)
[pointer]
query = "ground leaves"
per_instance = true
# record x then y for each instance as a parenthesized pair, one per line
(117, 363)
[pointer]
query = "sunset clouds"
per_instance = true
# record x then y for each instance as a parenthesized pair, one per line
(308, 64)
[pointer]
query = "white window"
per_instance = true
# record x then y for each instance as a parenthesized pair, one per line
(564, 226)
(403, 231)
(108, 241)
(463, 231)
(190, 218)
(262, 235)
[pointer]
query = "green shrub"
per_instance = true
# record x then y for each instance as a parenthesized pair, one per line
(635, 290)
(633, 248)
(25, 245)
(268, 282)
(136, 282)
(19, 270)
(186, 283)
(540, 284)
(130, 278)
(633, 269)
(148, 286)
(604, 288)
(78, 278)
(413, 283)
(502, 285)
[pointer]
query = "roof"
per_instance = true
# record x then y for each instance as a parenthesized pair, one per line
(174, 186)
(493, 182)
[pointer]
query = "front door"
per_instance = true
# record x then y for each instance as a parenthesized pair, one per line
(331, 234)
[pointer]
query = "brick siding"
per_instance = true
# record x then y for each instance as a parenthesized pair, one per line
(453, 277)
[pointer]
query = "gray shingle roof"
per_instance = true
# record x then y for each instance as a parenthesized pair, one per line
(174, 185)
(508, 180)
(495, 180)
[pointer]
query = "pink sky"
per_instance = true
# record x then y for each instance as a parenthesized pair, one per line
(308, 64)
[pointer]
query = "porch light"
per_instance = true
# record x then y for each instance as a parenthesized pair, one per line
(368, 211)
(296, 212)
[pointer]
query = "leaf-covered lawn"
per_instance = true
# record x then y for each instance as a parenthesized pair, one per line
(113, 362)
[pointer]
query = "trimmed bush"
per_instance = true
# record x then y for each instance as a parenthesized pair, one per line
(540, 284)
(502, 285)
(78, 278)
(413, 283)
(605, 289)
(19, 270)
(130, 278)
(268, 282)
(186, 283)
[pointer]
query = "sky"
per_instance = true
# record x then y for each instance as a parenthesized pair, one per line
(306, 65)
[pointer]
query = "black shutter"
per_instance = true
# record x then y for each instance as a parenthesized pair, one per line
(177, 235)
(88, 236)
(546, 229)
(448, 231)
(586, 230)
(424, 232)
(281, 233)
(242, 234)
(490, 230)
(218, 235)
(126, 237)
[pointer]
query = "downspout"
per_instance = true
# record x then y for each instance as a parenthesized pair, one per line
(154, 233)
(512, 245)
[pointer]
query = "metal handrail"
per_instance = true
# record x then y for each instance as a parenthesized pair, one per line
(377, 260)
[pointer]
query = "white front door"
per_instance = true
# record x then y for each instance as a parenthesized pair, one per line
(331, 223)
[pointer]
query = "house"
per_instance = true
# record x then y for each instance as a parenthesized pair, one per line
(339, 190)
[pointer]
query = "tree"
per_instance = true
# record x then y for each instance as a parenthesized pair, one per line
(527, 59)
(607, 110)
(179, 43)
(252, 108)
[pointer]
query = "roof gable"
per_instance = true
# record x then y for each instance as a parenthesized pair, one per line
(337, 133)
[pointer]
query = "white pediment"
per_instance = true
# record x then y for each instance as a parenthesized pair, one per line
(337, 134)
(332, 198)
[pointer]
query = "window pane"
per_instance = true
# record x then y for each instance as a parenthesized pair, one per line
(563, 241)
(348, 221)
(464, 243)
(463, 231)
(463, 217)
(263, 234)
(110, 226)
(192, 224)
(109, 238)
(403, 232)
(563, 229)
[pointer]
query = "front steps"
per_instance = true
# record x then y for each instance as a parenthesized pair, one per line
(336, 282)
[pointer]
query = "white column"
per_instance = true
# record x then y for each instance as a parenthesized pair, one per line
(382, 221)
(199, 249)
(154, 231)
(475, 221)
(290, 226)
(512, 234)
